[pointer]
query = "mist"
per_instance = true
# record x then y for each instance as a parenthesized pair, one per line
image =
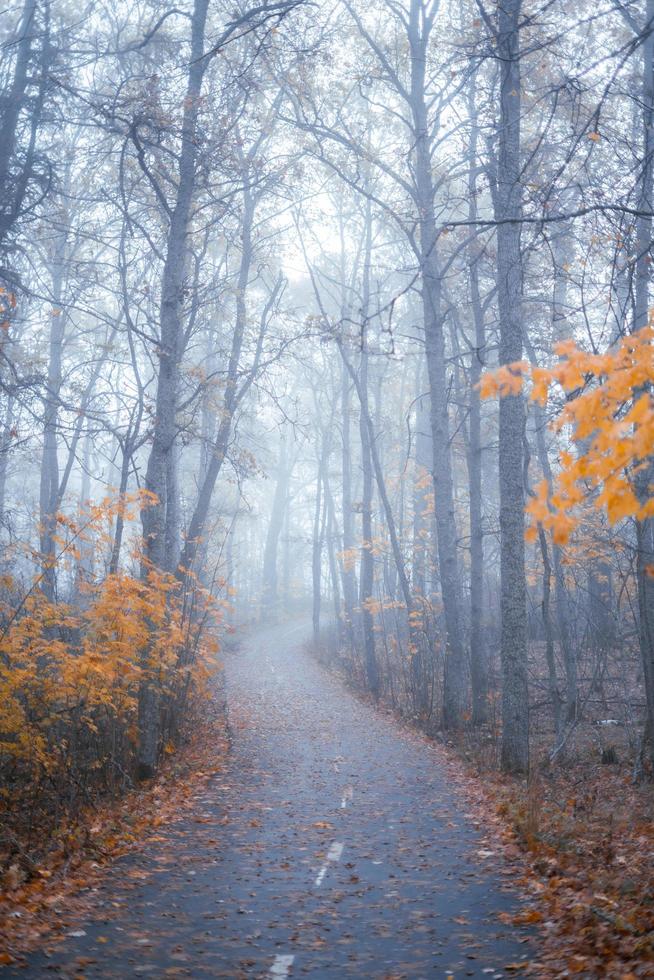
(326, 383)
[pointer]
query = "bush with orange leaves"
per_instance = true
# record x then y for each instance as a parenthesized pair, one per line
(70, 674)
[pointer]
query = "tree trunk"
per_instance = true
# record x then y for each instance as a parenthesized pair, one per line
(367, 561)
(478, 651)
(348, 572)
(31, 70)
(422, 523)
(220, 445)
(158, 475)
(454, 688)
(553, 684)
(645, 478)
(332, 538)
(316, 549)
(84, 571)
(127, 450)
(513, 600)
(373, 466)
(157, 519)
(5, 449)
(269, 591)
(49, 483)
(422, 492)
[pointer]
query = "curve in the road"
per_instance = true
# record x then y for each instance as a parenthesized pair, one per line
(332, 847)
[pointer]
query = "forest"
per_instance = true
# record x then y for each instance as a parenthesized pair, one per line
(337, 317)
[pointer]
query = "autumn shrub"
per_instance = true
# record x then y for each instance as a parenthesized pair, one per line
(70, 676)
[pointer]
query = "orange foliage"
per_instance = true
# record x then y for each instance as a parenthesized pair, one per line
(610, 409)
(70, 674)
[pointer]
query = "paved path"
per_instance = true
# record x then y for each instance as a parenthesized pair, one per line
(331, 847)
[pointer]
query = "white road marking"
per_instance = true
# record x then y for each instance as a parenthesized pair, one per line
(335, 851)
(347, 795)
(281, 965)
(333, 854)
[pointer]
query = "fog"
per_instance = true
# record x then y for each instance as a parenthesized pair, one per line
(255, 263)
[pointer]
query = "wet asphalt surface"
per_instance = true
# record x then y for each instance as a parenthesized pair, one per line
(330, 846)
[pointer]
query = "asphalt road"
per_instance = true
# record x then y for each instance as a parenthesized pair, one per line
(332, 846)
